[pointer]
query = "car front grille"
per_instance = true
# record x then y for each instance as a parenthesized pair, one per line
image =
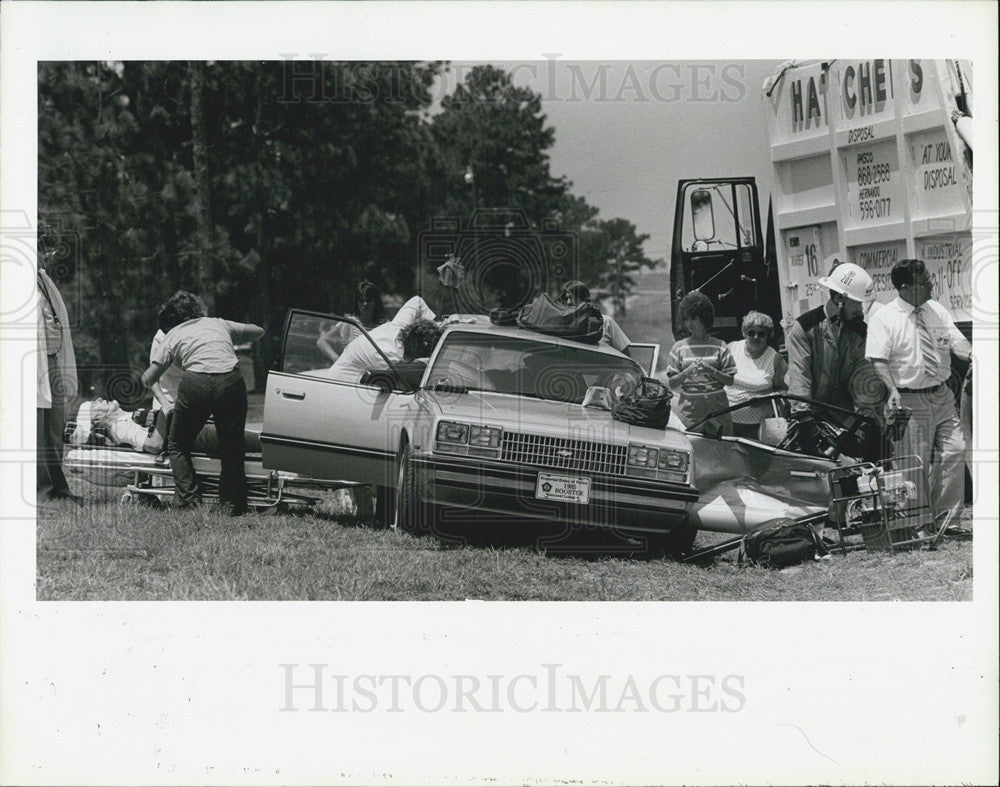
(563, 454)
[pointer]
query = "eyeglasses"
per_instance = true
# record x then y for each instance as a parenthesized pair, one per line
(755, 334)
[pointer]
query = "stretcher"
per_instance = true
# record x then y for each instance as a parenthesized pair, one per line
(147, 479)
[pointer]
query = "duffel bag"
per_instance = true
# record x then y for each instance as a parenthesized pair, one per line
(781, 544)
(648, 405)
(582, 322)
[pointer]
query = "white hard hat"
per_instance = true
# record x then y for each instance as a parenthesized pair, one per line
(850, 280)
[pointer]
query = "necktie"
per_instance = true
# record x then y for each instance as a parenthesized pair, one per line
(928, 353)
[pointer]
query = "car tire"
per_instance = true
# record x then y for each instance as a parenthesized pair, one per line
(413, 515)
(675, 544)
(680, 540)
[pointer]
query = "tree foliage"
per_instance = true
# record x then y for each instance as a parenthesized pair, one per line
(264, 186)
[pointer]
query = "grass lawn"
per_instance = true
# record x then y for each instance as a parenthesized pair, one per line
(106, 551)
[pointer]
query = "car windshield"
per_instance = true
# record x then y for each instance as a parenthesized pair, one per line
(528, 367)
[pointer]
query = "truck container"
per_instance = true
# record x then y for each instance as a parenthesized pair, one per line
(867, 164)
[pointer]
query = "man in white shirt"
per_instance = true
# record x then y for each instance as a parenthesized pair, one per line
(910, 342)
(360, 355)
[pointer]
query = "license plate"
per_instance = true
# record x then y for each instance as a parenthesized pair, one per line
(566, 489)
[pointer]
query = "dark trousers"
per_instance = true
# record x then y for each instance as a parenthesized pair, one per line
(224, 397)
(51, 421)
(50, 478)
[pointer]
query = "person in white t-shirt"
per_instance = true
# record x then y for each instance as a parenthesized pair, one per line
(910, 341)
(359, 356)
(211, 385)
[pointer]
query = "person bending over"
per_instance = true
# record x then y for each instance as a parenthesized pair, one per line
(360, 355)
(211, 384)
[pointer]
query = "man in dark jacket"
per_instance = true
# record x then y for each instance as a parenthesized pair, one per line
(826, 347)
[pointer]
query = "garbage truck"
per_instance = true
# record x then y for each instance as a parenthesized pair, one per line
(871, 161)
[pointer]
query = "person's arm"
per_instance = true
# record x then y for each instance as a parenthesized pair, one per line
(323, 343)
(780, 367)
(961, 346)
(411, 311)
(154, 372)
(882, 369)
(878, 350)
(242, 332)
(676, 375)
(616, 336)
(725, 372)
(799, 373)
(166, 403)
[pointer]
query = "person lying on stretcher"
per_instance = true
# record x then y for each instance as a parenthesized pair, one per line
(144, 431)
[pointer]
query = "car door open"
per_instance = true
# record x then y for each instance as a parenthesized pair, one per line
(319, 420)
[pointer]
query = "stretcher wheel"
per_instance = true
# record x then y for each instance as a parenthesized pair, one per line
(127, 499)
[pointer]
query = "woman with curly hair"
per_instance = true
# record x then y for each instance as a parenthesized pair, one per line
(211, 384)
(700, 367)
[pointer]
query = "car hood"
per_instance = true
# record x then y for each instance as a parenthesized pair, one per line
(543, 417)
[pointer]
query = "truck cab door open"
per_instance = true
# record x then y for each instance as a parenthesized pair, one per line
(322, 427)
(717, 249)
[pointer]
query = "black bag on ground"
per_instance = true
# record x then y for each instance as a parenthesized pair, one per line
(781, 544)
(648, 405)
(582, 322)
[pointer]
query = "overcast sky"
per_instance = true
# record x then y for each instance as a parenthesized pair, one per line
(627, 131)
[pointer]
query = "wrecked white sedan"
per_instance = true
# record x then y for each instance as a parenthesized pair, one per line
(493, 425)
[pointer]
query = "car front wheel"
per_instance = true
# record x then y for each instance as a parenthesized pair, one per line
(412, 514)
(675, 544)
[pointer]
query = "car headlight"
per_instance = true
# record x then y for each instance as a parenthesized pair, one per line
(661, 464)
(469, 439)
(484, 436)
(673, 460)
(451, 432)
(642, 456)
